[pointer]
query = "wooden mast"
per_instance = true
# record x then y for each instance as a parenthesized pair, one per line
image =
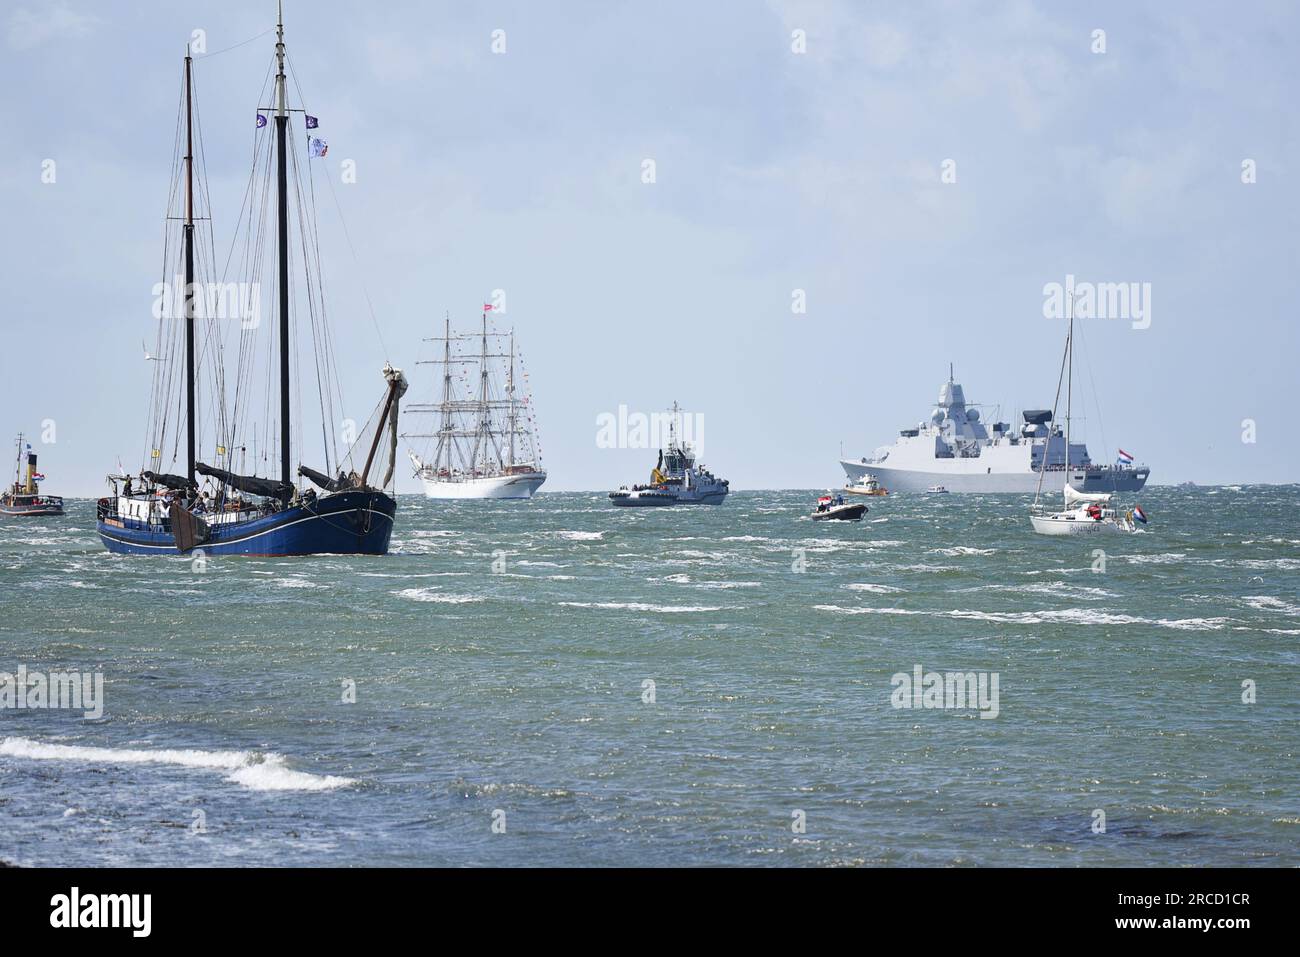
(282, 199)
(189, 273)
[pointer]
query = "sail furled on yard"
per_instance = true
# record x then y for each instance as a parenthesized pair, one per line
(321, 480)
(177, 482)
(252, 484)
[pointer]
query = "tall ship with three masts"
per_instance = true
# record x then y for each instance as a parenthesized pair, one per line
(25, 497)
(241, 503)
(485, 441)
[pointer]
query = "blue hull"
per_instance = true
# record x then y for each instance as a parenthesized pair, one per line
(345, 523)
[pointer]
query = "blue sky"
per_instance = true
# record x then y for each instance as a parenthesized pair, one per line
(775, 171)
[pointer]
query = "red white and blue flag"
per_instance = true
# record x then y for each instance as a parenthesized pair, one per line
(318, 146)
(37, 476)
(1125, 458)
(1140, 515)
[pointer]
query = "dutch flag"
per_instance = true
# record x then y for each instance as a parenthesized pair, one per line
(1125, 458)
(1140, 515)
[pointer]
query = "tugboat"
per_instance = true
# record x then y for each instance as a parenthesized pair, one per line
(836, 509)
(24, 496)
(236, 511)
(676, 480)
(867, 485)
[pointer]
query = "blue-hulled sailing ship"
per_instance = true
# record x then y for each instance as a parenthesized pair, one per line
(227, 507)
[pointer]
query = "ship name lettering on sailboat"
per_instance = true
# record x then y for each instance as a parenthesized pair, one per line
(1102, 300)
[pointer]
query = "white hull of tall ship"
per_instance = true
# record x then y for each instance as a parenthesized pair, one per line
(516, 486)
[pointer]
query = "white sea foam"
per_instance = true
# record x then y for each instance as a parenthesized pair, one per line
(254, 770)
(1269, 603)
(874, 589)
(297, 583)
(962, 550)
(862, 610)
(1286, 564)
(572, 536)
(640, 606)
(430, 594)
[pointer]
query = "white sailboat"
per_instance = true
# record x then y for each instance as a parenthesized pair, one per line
(1084, 513)
(484, 447)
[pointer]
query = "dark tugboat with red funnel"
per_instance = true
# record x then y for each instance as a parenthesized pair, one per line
(25, 497)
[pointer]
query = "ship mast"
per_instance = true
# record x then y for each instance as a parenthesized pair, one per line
(446, 425)
(282, 198)
(1069, 388)
(510, 389)
(189, 273)
(484, 426)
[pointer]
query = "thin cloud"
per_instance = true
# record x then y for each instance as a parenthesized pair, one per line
(29, 29)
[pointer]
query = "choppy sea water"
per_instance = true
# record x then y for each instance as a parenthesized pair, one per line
(501, 656)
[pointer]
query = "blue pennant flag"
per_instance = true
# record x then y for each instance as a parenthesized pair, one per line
(261, 121)
(312, 122)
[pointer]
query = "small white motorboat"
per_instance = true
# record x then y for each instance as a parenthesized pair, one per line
(937, 490)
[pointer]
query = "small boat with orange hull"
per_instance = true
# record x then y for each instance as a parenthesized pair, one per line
(867, 485)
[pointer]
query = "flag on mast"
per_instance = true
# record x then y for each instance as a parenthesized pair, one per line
(319, 147)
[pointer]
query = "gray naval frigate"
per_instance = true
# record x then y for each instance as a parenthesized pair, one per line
(956, 450)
